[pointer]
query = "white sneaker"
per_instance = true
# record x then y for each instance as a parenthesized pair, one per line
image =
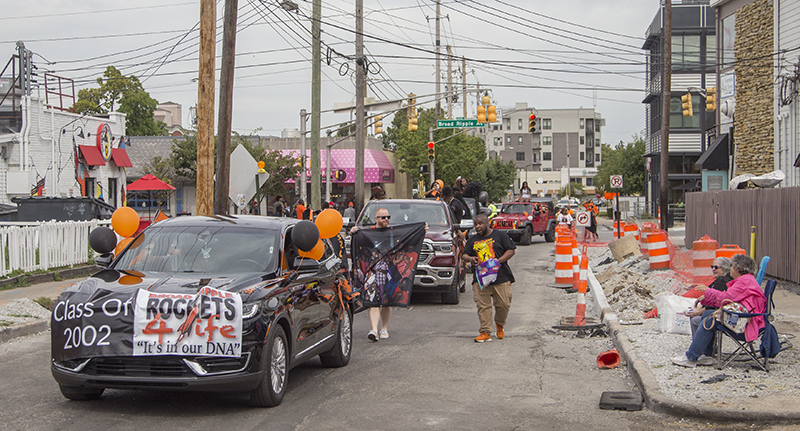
(373, 336)
(705, 360)
(384, 334)
(683, 361)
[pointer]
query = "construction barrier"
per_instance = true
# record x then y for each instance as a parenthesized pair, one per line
(576, 262)
(580, 308)
(729, 250)
(632, 229)
(647, 228)
(621, 227)
(564, 261)
(704, 251)
(657, 250)
(562, 230)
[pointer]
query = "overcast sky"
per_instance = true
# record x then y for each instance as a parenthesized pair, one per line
(563, 54)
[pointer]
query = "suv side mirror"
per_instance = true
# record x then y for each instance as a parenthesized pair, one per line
(305, 265)
(104, 260)
(347, 224)
(466, 224)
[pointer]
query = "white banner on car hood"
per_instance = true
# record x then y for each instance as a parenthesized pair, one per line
(208, 323)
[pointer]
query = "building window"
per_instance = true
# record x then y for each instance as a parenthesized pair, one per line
(685, 51)
(547, 140)
(90, 188)
(520, 156)
(547, 169)
(147, 199)
(589, 157)
(589, 182)
(597, 125)
(580, 155)
(728, 38)
(519, 141)
(597, 142)
(547, 124)
(534, 158)
(547, 155)
(597, 157)
(583, 141)
(508, 123)
(519, 124)
(508, 140)
(581, 125)
(111, 196)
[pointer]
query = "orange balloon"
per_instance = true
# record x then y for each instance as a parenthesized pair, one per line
(121, 245)
(125, 221)
(315, 253)
(329, 222)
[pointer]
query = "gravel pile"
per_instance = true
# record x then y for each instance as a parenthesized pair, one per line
(738, 382)
(22, 311)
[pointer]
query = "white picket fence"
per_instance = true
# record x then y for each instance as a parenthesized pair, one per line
(57, 244)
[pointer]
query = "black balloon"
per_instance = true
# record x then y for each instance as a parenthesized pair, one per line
(305, 235)
(102, 240)
(483, 197)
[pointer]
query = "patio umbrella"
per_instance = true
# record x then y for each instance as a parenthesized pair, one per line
(149, 183)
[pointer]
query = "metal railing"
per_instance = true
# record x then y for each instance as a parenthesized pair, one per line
(31, 246)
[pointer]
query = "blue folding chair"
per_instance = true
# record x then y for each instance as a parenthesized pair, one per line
(762, 269)
(723, 359)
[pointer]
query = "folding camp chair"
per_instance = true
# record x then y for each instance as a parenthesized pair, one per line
(762, 269)
(723, 359)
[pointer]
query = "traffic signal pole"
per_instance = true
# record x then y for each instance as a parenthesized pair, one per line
(433, 173)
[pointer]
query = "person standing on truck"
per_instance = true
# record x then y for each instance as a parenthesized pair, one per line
(491, 244)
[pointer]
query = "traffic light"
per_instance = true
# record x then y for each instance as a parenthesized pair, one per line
(431, 151)
(378, 124)
(491, 113)
(411, 112)
(486, 111)
(481, 114)
(711, 99)
(532, 123)
(686, 100)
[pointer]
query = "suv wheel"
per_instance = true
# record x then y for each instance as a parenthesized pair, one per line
(525, 239)
(76, 393)
(274, 365)
(451, 296)
(339, 355)
(550, 235)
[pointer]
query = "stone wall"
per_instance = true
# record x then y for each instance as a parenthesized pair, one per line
(754, 88)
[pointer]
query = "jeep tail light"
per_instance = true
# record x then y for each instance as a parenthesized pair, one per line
(443, 261)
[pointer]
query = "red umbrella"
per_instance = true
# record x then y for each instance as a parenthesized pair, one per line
(149, 182)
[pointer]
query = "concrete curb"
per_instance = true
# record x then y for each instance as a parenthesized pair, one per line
(68, 273)
(648, 384)
(10, 332)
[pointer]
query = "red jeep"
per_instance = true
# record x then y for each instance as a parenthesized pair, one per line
(522, 220)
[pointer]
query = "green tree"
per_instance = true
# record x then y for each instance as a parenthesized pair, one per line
(161, 168)
(576, 189)
(183, 157)
(496, 177)
(626, 159)
(127, 94)
(456, 154)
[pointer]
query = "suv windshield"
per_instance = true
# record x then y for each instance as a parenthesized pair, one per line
(218, 249)
(517, 209)
(405, 213)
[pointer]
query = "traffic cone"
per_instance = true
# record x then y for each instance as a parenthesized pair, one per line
(580, 309)
(657, 250)
(563, 271)
(576, 263)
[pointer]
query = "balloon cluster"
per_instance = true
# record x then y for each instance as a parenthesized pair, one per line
(125, 222)
(308, 236)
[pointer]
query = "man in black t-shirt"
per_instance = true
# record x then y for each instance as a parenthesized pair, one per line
(491, 244)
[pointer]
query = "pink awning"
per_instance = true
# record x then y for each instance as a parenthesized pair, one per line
(377, 167)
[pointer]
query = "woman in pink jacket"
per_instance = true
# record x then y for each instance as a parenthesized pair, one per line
(743, 289)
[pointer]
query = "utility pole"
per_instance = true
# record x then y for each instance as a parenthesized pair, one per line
(222, 185)
(450, 91)
(316, 73)
(464, 83)
(360, 81)
(205, 108)
(663, 195)
(438, 72)
(303, 178)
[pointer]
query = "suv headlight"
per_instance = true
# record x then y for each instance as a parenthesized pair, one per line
(445, 248)
(249, 309)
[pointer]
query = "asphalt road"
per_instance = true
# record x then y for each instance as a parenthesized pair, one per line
(429, 375)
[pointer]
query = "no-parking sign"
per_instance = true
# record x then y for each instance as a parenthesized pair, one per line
(582, 218)
(616, 181)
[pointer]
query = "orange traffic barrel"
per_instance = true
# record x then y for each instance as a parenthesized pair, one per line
(647, 228)
(621, 227)
(562, 230)
(657, 250)
(564, 261)
(729, 250)
(632, 229)
(576, 261)
(704, 251)
(580, 308)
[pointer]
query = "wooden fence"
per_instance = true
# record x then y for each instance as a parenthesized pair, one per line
(727, 216)
(44, 245)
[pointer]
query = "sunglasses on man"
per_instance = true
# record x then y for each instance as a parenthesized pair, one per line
(383, 217)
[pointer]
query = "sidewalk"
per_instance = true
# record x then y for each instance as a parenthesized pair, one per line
(668, 388)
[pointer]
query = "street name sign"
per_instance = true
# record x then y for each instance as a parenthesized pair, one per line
(453, 124)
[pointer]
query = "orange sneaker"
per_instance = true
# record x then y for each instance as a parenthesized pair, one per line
(500, 332)
(483, 337)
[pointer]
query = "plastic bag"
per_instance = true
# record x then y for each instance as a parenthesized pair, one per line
(671, 309)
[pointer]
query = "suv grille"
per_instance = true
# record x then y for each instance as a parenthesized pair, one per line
(426, 252)
(504, 224)
(138, 367)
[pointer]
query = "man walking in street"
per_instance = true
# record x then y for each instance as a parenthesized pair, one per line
(278, 209)
(490, 244)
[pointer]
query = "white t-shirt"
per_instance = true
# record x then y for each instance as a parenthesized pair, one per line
(564, 219)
